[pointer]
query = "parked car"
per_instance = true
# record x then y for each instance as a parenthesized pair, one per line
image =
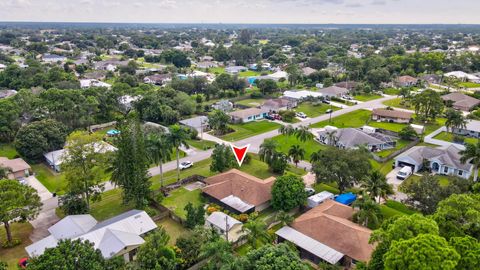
(404, 173)
(329, 111)
(347, 97)
(185, 165)
(277, 116)
(269, 117)
(326, 101)
(310, 191)
(301, 115)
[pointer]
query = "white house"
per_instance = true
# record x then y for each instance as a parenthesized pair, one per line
(87, 83)
(228, 227)
(118, 236)
(53, 58)
(463, 76)
(471, 129)
(248, 115)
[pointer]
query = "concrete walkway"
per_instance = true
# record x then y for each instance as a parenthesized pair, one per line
(430, 139)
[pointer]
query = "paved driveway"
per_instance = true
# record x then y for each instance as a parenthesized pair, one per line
(41, 189)
(392, 179)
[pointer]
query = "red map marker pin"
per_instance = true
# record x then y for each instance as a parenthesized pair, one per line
(240, 153)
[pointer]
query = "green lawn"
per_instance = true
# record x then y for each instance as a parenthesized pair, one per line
(319, 187)
(54, 182)
(366, 97)
(389, 212)
(250, 129)
(11, 255)
(447, 136)
(8, 151)
(353, 119)
(469, 85)
(400, 207)
(201, 144)
(398, 103)
(312, 110)
(111, 205)
(173, 229)
(216, 70)
(249, 73)
(431, 127)
(400, 144)
(179, 198)
(391, 91)
(395, 127)
(384, 168)
(251, 102)
(286, 142)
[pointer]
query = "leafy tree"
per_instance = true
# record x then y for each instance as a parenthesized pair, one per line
(279, 163)
(281, 256)
(82, 165)
(425, 251)
(284, 218)
(336, 165)
(267, 86)
(222, 158)
(288, 192)
(218, 121)
(68, 254)
(303, 134)
(191, 244)
(296, 153)
(459, 215)
(178, 137)
(267, 150)
(158, 150)
(455, 119)
(375, 184)
(177, 58)
(3, 172)
(37, 138)
(3, 265)
(219, 255)
(469, 250)
(472, 154)
(428, 104)
(256, 232)
(9, 119)
(407, 133)
(195, 215)
(376, 76)
(316, 156)
(294, 74)
(155, 252)
(130, 164)
(17, 203)
(369, 214)
(73, 204)
(287, 130)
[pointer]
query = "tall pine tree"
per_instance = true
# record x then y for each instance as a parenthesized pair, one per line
(130, 166)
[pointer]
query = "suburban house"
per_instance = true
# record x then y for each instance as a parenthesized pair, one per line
(109, 65)
(248, 115)
(442, 160)
(235, 69)
(463, 76)
(301, 95)
(7, 93)
(351, 138)
(126, 101)
(461, 101)
(198, 123)
(308, 70)
(226, 226)
(207, 64)
(96, 75)
(326, 233)
(223, 105)
(239, 192)
(391, 116)
(87, 83)
(350, 85)
(334, 91)
(431, 78)
(53, 58)
(16, 168)
(158, 79)
(471, 129)
(118, 236)
(278, 104)
(405, 81)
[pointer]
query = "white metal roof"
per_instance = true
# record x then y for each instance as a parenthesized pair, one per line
(72, 226)
(311, 245)
(322, 196)
(301, 94)
(237, 203)
(220, 220)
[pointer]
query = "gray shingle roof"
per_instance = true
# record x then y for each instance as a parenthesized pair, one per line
(449, 156)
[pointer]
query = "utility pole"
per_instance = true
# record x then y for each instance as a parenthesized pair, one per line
(226, 227)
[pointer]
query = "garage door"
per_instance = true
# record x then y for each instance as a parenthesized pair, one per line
(403, 164)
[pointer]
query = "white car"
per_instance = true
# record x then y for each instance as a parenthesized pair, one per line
(185, 165)
(301, 115)
(404, 173)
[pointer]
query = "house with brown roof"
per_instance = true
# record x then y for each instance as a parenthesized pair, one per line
(158, 79)
(16, 168)
(461, 101)
(326, 233)
(248, 115)
(350, 85)
(239, 192)
(391, 116)
(308, 70)
(278, 104)
(405, 81)
(333, 91)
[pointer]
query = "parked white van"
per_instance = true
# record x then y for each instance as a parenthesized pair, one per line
(404, 173)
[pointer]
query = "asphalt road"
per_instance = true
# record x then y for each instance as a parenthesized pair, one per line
(257, 140)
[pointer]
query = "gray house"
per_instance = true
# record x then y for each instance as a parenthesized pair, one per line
(350, 138)
(441, 160)
(471, 129)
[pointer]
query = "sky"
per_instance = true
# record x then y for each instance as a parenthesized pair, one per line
(244, 11)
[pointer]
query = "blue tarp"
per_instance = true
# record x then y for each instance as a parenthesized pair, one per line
(113, 132)
(346, 198)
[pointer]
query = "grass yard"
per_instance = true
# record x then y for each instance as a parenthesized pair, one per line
(398, 103)
(319, 187)
(249, 73)
(431, 127)
(366, 97)
(388, 212)
(8, 151)
(179, 198)
(353, 119)
(250, 129)
(286, 142)
(312, 110)
(251, 102)
(216, 70)
(11, 255)
(391, 91)
(54, 182)
(201, 144)
(111, 205)
(173, 229)
(400, 144)
(469, 85)
(384, 168)
(395, 127)
(448, 137)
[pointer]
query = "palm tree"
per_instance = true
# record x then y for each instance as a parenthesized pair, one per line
(256, 231)
(177, 137)
(287, 130)
(369, 212)
(303, 133)
(267, 150)
(316, 156)
(218, 252)
(455, 119)
(332, 139)
(284, 218)
(159, 150)
(296, 154)
(472, 154)
(375, 184)
(3, 172)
